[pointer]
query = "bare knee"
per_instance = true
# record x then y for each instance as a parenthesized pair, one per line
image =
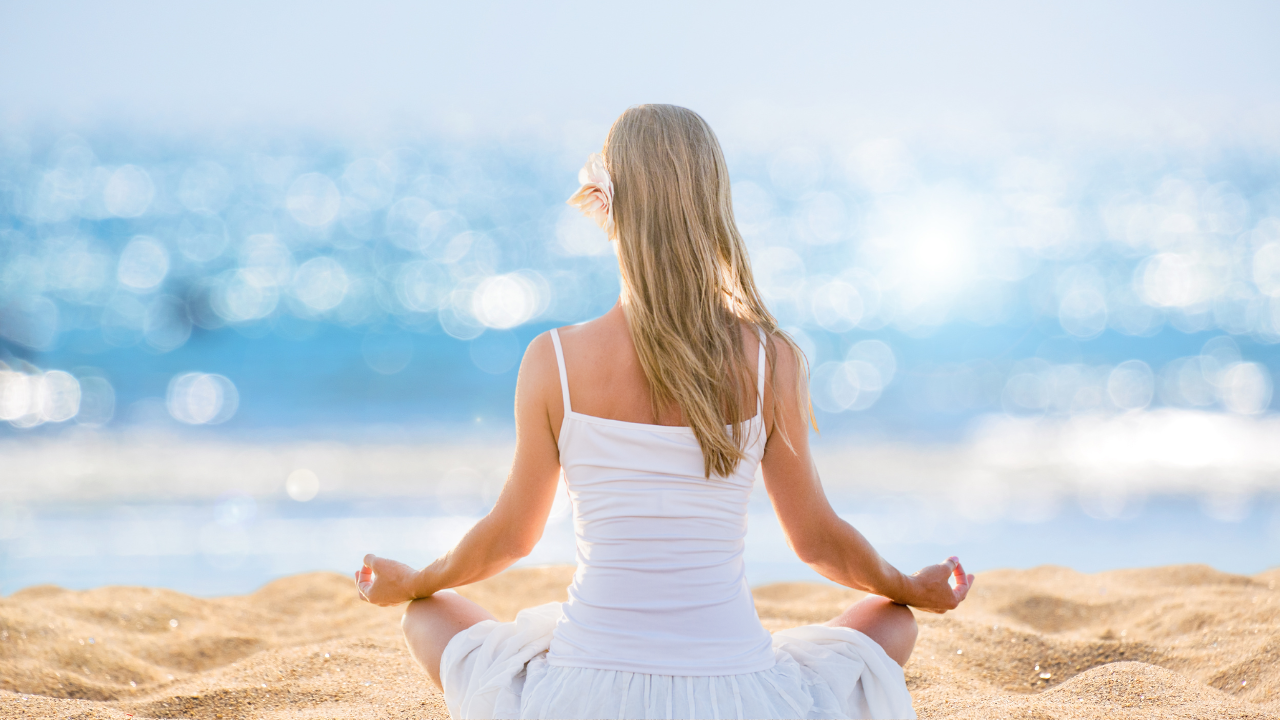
(907, 620)
(891, 625)
(420, 626)
(415, 613)
(446, 606)
(428, 624)
(901, 630)
(900, 615)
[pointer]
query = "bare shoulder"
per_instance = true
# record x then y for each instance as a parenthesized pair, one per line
(538, 371)
(596, 341)
(784, 390)
(780, 354)
(596, 328)
(787, 361)
(538, 357)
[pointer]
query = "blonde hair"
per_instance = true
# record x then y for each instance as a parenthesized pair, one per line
(686, 277)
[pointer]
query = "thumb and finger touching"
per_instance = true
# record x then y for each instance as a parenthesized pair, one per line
(963, 580)
(365, 576)
(944, 573)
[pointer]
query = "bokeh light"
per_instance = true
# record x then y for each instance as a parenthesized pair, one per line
(128, 192)
(505, 301)
(143, 263)
(202, 398)
(320, 283)
(97, 402)
(32, 397)
(1131, 385)
(302, 485)
(924, 288)
(313, 200)
(1246, 388)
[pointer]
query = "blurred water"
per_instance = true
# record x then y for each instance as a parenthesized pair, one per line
(237, 544)
(212, 517)
(256, 283)
(1069, 348)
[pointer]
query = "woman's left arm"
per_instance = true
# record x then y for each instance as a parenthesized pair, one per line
(514, 525)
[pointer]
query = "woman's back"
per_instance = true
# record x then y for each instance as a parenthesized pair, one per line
(658, 415)
(661, 586)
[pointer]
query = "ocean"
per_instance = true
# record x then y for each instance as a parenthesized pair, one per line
(227, 360)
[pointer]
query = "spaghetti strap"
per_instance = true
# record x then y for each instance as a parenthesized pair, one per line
(759, 376)
(659, 545)
(564, 376)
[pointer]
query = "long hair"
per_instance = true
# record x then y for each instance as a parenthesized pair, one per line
(686, 278)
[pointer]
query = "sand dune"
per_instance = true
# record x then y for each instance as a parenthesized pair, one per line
(1185, 642)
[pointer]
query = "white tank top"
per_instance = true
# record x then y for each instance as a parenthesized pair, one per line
(660, 586)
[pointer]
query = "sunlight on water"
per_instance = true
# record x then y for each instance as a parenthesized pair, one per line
(1049, 339)
(881, 239)
(200, 398)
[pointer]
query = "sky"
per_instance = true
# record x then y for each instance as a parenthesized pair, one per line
(1189, 70)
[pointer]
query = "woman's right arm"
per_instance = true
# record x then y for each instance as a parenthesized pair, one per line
(828, 544)
(514, 525)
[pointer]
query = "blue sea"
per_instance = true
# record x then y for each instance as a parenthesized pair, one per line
(228, 359)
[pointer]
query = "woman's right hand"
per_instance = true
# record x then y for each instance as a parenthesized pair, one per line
(384, 582)
(931, 590)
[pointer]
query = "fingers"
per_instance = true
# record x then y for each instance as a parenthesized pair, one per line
(364, 577)
(964, 581)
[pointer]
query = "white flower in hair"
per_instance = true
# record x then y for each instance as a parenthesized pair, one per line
(595, 197)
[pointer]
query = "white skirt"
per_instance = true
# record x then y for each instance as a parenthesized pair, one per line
(500, 670)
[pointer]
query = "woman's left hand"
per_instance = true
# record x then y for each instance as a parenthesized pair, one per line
(930, 590)
(385, 582)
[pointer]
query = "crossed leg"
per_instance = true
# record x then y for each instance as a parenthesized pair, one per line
(430, 623)
(891, 625)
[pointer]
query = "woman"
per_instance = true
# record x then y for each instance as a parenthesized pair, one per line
(659, 412)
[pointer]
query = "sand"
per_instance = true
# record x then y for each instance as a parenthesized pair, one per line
(1177, 642)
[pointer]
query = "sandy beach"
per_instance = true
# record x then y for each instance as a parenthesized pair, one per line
(1178, 642)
